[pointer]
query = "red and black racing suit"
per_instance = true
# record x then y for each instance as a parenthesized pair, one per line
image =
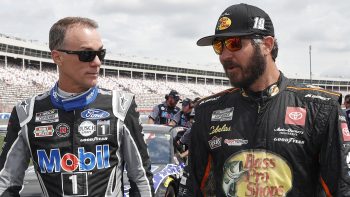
(290, 140)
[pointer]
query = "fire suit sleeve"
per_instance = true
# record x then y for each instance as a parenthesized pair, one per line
(177, 117)
(199, 157)
(14, 158)
(138, 164)
(155, 113)
(335, 155)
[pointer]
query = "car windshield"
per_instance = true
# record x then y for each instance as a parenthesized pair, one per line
(159, 147)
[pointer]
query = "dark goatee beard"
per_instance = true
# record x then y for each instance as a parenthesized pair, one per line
(255, 68)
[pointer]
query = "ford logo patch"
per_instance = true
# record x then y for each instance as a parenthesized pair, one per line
(94, 114)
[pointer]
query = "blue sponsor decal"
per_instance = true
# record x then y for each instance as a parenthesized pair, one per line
(169, 169)
(5, 116)
(94, 114)
(85, 161)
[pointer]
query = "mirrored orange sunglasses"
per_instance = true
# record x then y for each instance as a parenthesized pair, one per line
(232, 43)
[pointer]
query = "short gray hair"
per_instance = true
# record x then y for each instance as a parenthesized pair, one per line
(274, 51)
(59, 29)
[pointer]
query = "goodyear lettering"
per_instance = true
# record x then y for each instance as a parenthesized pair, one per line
(85, 161)
(289, 140)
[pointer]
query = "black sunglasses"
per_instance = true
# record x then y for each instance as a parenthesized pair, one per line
(87, 56)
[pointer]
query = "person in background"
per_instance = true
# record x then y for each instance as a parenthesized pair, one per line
(268, 135)
(347, 107)
(78, 136)
(182, 118)
(163, 113)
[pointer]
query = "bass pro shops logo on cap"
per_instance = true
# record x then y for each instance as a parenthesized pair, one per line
(240, 20)
(223, 23)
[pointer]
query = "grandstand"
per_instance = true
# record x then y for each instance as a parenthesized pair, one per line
(27, 69)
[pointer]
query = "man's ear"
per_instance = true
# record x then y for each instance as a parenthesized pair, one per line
(56, 57)
(269, 42)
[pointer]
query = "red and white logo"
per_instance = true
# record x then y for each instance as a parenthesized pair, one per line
(295, 116)
(62, 130)
(345, 131)
(43, 131)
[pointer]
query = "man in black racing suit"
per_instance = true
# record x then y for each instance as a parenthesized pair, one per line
(79, 142)
(268, 136)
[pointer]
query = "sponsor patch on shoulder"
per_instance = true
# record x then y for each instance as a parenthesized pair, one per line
(43, 131)
(317, 97)
(222, 115)
(210, 99)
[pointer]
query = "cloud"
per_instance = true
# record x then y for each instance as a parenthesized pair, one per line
(169, 29)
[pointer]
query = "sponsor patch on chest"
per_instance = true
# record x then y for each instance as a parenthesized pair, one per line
(235, 142)
(219, 129)
(295, 116)
(43, 131)
(288, 132)
(222, 115)
(87, 128)
(94, 114)
(215, 142)
(47, 116)
(62, 130)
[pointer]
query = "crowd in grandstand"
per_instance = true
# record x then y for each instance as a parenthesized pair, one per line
(148, 92)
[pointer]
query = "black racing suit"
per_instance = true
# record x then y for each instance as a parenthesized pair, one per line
(289, 140)
(79, 146)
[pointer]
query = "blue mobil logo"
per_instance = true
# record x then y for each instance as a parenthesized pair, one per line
(85, 161)
(94, 114)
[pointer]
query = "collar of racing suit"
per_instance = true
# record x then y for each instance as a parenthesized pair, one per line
(72, 103)
(271, 91)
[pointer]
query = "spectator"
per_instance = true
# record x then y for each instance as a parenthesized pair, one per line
(164, 112)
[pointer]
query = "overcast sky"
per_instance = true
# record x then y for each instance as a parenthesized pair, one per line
(169, 29)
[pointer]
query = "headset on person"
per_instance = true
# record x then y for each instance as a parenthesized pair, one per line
(174, 94)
